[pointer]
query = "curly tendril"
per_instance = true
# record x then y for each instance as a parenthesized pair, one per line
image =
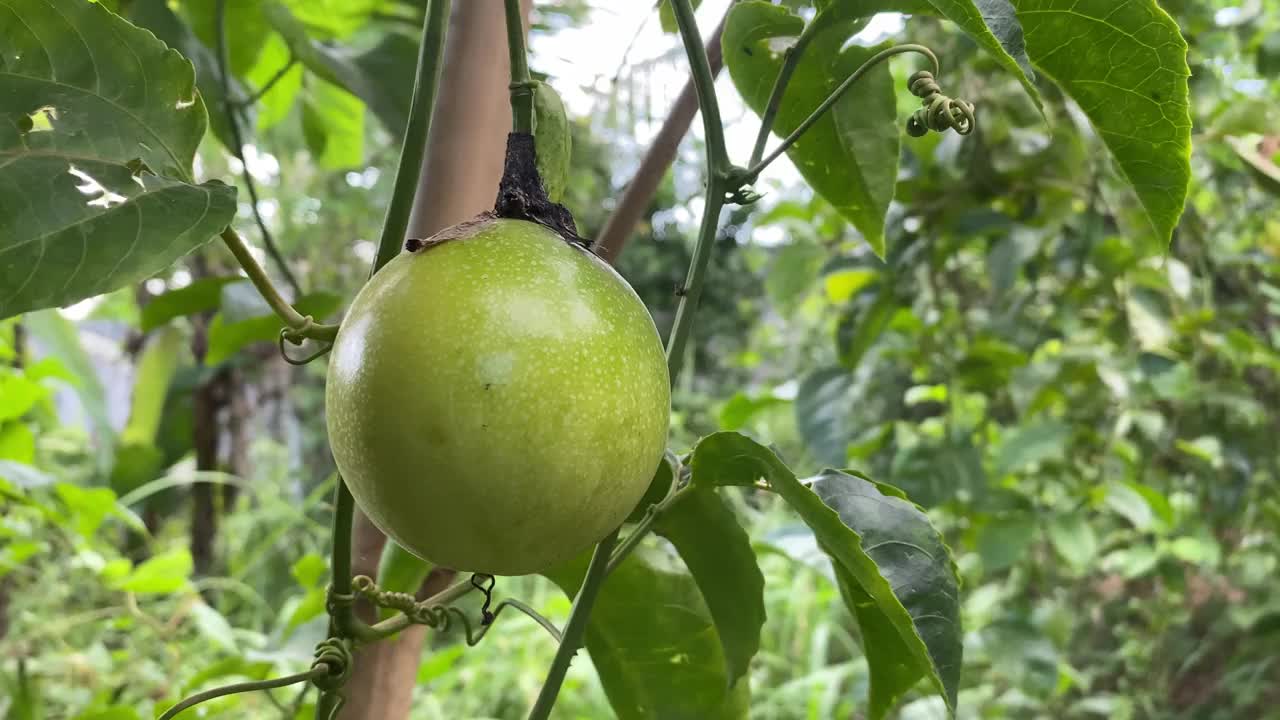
(940, 113)
(442, 617)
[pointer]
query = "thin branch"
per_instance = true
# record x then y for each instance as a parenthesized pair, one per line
(662, 153)
(266, 87)
(233, 124)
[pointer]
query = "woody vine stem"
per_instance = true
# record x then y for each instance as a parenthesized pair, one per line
(726, 184)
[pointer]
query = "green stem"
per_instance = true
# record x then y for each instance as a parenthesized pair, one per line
(718, 169)
(755, 168)
(243, 687)
(344, 618)
(434, 26)
(575, 629)
(300, 325)
(522, 85)
(789, 64)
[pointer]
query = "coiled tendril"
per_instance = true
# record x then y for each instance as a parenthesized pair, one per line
(442, 617)
(940, 112)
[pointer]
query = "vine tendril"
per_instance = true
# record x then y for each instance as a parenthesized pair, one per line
(940, 113)
(294, 338)
(441, 617)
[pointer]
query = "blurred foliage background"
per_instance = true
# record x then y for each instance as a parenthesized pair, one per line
(1091, 419)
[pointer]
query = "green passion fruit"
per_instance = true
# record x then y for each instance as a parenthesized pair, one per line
(497, 401)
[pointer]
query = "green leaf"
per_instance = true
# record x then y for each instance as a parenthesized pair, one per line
(654, 642)
(553, 139)
(382, 77)
(17, 442)
(200, 296)
(718, 553)
(993, 25)
(1028, 445)
(1074, 540)
(61, 340)
(136, 464)
(162, 574)
(850, 155)
(213, 626)
(741, 408)
(247, 29)
(1126, 65)
(276, 104)
(667, 15)
(1004, 540)
(862, 325)
(902, 583)
(228, 338)
(793, 273)
(155, 370)
(18, 395)
(825, 417)
(333, 124)
(101, 127)
(88, 507)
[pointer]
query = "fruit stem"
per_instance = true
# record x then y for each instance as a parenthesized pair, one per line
(575, 629)
(522, 85)
(425, 84)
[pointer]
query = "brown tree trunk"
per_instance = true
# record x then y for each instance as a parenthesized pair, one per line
(459, 179)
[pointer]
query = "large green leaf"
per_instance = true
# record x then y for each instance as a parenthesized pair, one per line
(850, 155)
(718, 553)
(654, 642)
(897, 574)
(1125, 63)
(101, 124)
(992, 24)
